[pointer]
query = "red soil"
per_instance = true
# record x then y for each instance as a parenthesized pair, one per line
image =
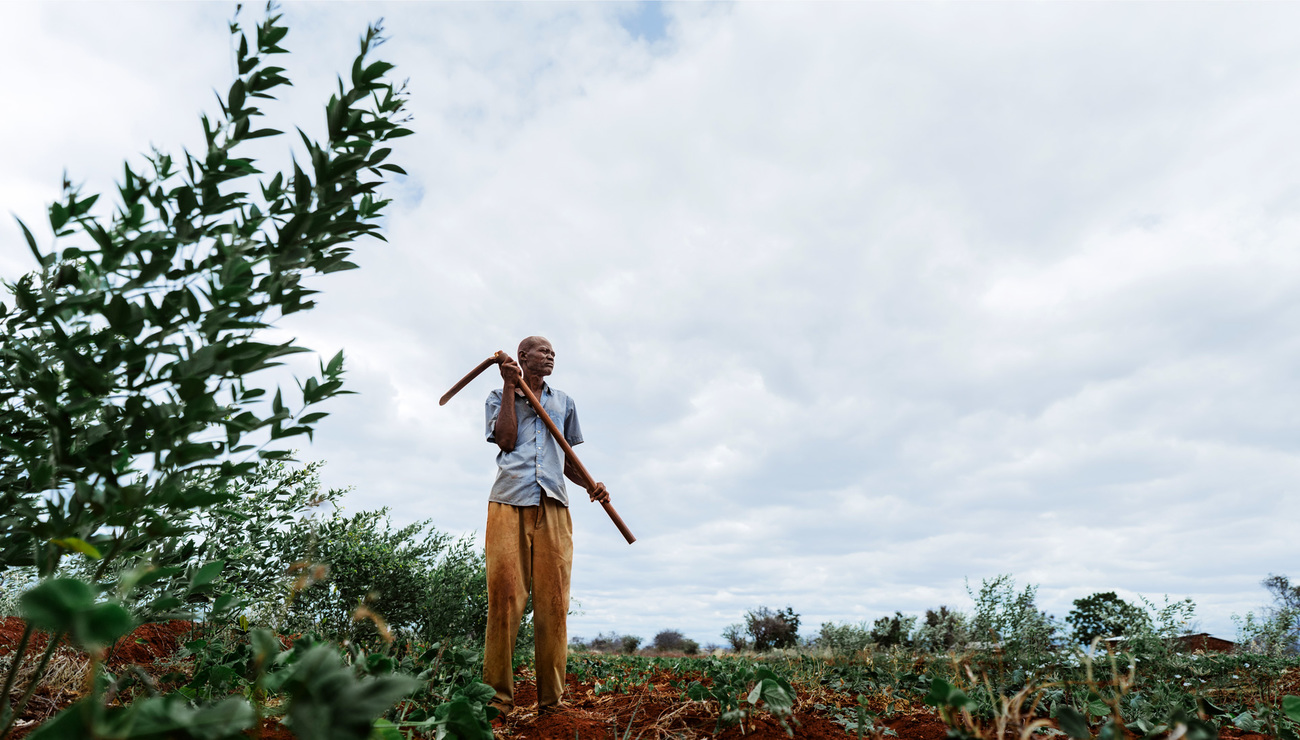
(654, 712)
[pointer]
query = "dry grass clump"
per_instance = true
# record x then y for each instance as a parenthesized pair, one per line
(65, 680)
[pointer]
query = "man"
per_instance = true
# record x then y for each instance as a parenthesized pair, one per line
(529, 531)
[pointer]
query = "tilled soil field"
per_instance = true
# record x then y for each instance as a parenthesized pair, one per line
(654, 711)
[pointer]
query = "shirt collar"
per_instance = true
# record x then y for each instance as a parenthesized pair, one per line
(546, 388)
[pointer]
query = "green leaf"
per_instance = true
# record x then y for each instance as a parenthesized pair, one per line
(1291, 707)
(385, 730)
(206, 574)
(67, 605)
(44, 260)
(103, 624)
(56, 604)
(1209, 708)
(79, 545)
(1247, 722)
(479, 692)
(939, 691)
(1073, 723)
(171, 716)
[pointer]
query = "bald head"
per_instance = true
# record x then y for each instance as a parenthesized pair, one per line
(536, 357)
(529, 342)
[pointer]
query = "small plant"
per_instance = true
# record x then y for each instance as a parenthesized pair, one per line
(737, 690)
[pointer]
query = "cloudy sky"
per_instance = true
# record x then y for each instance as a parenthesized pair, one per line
(858, 302)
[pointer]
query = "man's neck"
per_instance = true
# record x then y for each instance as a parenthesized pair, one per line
(535, 383)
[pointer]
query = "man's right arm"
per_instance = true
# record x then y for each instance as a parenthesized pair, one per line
(506, 429)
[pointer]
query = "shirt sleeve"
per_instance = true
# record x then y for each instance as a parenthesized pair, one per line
(572, 431)
(493, 409)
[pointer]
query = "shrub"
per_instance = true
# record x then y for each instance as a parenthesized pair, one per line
(614, 643)
(736, 637)
(1286, 608)
(1013, 619)
(772, 629)
(941, 630)
(415, 578)
(844, 639)
(893, 631)
(676, 642)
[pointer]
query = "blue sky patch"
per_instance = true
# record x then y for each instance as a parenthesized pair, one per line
(645, 20)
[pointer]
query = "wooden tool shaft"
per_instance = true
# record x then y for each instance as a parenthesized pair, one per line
(588, 482)
(484, 365)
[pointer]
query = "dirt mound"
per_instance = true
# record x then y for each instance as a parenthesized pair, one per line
(150, 643)
(655, 711)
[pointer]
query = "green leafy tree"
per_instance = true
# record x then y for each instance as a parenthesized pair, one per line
(134, 358)
(1106, 615)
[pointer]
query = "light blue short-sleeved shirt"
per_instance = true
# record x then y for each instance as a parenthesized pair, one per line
(536, 464)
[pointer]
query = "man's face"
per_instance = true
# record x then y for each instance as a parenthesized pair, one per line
(538, 359)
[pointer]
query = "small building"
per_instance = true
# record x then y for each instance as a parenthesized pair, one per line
(1204, 642)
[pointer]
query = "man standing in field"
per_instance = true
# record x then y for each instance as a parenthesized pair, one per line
(529, 531)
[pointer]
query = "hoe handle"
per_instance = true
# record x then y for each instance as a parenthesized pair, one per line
(590, 482)
(484, 365)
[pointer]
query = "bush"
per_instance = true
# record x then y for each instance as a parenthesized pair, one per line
(1009, 618)
(1285, 612)
(414, 578)
(610, 643)
(941, 630)
(893, 631)
(736, 637)
(844, 639)
(772, 629)
(675, 642)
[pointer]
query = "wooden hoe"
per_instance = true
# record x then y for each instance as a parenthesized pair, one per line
(533, 401)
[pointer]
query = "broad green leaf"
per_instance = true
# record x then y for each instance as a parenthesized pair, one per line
(1073, 723)
(939, 691)
(206, 574)
(1291, 707)
(55, 605)
(79, 545)
(103, 624)
(385, 730)
(479, 692)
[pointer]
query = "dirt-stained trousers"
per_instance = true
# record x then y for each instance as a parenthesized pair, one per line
(529, 548)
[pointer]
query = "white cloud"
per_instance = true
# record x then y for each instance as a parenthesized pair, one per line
(856, 300)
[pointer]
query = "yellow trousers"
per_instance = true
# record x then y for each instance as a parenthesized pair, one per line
(529, 549)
